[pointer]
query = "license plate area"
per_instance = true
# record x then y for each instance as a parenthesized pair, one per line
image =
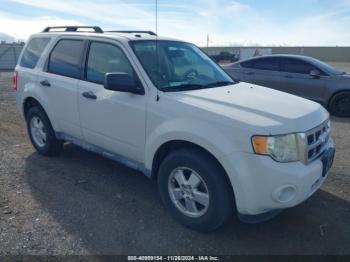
(327, 161)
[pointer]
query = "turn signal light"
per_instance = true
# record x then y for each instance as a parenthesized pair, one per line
(260, 144)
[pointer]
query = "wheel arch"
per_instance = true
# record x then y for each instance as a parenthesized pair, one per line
(170, 146)
(28, 103)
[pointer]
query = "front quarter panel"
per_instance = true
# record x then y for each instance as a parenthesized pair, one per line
(334, 85)
(184, 129)
(170, 120)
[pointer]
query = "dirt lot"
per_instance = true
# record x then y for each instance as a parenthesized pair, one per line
(81, 203)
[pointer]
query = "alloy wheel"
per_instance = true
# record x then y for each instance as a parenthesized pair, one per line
(188, 192)
(38, 132)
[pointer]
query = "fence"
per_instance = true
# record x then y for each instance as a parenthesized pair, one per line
(9, 54)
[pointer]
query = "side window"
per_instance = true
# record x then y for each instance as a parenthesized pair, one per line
(106, 58)
(248, 64)
(65, 58)
(33, 51)
(269, 63)
(296, 66)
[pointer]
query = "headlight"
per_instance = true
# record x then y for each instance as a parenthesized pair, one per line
(280, 148)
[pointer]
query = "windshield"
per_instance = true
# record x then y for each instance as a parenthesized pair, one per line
(177, 66)
(327, 67)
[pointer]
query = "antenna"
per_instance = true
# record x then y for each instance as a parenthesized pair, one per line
(156, 18)
(208, 40)
(157, 55)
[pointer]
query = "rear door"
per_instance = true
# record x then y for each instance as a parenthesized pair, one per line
(296, 79)
(262, 71)
(112, 120)
(59, 80)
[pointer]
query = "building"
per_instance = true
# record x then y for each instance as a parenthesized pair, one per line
(9, 54)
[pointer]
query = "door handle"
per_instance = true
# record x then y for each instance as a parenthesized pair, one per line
(45, 83)
(249, 73)
(288, 76)
(89, 95)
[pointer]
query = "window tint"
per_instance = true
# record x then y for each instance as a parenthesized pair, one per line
(106, 58)
(33, 51)
(296, 66)
(324, 67)
(65, 58)
(248, 64)
(268, 63)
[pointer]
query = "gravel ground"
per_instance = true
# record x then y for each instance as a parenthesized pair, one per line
(81, 203)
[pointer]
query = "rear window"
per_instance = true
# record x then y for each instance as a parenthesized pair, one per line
(33, 52)
(65, 59)
(268, 63)
(248, 64)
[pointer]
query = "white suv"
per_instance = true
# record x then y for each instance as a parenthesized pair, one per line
(162, 106)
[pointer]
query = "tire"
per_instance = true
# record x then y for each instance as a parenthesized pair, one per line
(214, 183)
(339, 105)
(41, 133)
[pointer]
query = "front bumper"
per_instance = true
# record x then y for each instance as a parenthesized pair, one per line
(262, 185)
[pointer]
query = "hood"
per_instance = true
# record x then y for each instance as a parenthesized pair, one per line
(260, 107)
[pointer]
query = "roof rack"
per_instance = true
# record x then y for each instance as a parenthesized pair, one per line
(132, 32)
(72, 28)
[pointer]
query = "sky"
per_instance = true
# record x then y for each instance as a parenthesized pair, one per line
(227, 22)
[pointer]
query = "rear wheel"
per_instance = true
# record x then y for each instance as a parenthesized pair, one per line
(340, 104)
(41, 133)
(195, 190)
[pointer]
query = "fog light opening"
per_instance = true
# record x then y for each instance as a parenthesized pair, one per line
(284, 194)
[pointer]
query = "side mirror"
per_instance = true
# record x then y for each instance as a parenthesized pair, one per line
(315, 73)
(122, 82)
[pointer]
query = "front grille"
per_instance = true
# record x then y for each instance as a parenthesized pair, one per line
(317, 139)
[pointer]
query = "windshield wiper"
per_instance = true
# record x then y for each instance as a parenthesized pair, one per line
(184, 87)
(220, 83)
(187, 87)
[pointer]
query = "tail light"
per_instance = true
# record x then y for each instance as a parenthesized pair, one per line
(15, 81)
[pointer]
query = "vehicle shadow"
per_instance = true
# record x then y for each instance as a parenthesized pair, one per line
(116, 210)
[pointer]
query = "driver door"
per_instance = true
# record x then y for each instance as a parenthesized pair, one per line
(296, 79)
(111, 120)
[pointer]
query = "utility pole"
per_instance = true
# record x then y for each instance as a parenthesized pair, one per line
(208, 41)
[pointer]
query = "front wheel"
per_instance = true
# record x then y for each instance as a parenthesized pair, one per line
(340, 104)
(195, 190)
